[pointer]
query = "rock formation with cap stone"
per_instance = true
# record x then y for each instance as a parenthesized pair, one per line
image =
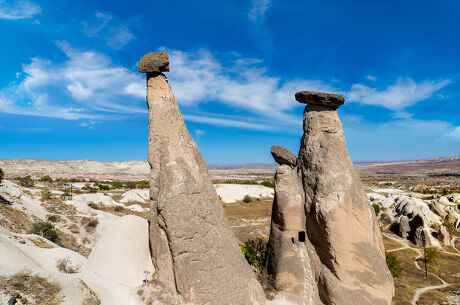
(193, 248)
(337, 256)
(283, 156)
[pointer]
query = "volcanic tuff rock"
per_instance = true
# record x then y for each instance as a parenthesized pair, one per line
(283, 156)
(155, 62)
(193, 248)
(346, 248)
(404, 227)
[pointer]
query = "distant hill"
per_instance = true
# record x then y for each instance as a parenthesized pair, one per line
(140, 169)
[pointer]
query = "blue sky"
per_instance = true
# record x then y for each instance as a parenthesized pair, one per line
(69, 86)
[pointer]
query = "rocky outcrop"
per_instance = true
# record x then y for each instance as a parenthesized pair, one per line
(288, 259)
(444, 236)
(341, 224)
(283, 156)
(193, 248)
(334, 234)
(404, 227)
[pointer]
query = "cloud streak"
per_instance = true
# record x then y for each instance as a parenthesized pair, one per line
(19, 9)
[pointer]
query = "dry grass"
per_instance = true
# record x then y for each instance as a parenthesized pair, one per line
(14, 220)
(256, 209)
(92, 299)
(40, 242)
(32, 288)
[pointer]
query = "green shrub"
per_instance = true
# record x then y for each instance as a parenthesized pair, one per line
(376, 209)
(2, 174)
(254, 251)
(45, 229)
(93, 205)
(393, 263)
(268, 183)
(247, 199)
(46, 179)
(143, 184)
(117, 185)
(131, 185)
(26, 181)
(432, 255)
(103, 187)
(46, 194)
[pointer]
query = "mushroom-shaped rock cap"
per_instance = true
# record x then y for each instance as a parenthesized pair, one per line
(155, 62)
(319, 98)
(283, 156)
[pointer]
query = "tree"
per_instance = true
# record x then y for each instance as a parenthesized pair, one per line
(393, 264)
(117, 185)
(2, 174)
(432, 255)
(255, 251)
(45, 229)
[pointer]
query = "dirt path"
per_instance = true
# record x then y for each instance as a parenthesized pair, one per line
(405, 245)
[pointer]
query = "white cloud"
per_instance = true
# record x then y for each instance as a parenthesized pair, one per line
(18, 9)
(225, 122)
(452, 136)
(199, 78)
(404, 93)
(258, 10)
(199, 132)
(86, 85)
(115, 36)
(371, 78)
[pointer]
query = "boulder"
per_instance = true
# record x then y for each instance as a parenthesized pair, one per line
(340, 223)
(422, 237)
(404, 227)
(155, 62)
(192, 245)
(283, 156)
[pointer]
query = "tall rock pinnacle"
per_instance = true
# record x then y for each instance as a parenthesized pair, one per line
(193, 248)
(339, 241)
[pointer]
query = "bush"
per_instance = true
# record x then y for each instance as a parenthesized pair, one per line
(89, 188)
(93, 205)
(26, 181)
(432, 255)
(376, 209)
(254, 251)
(118, 208)
(268, 183)
(131, 185)
(2, 174)
(46, 179)
(102, 187)
(93, 223)
(46, 194)
(247, 199)
(143, 184)
(64, 265)
(45, 229)
(393, 264)
(117, 185)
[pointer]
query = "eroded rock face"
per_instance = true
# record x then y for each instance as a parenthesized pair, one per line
(404, 227)
(340, 222)
(193, 248)
(288, 256)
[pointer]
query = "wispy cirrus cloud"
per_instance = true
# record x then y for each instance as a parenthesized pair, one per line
(404, 93)
(115, 35)
(258, 10)
(86, 85)
(18, 9)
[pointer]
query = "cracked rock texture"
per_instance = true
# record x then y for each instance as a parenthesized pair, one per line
(193, 248)
(344, 249)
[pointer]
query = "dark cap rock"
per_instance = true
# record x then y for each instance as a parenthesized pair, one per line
(283, 156)
(319, 98)
(155, 62)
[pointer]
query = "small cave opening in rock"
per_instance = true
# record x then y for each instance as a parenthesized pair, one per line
(302, 236)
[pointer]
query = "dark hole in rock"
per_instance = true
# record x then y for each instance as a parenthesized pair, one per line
(292, 239)
(302, 236)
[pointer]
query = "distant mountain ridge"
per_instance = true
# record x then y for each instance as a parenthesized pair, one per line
(141, 169)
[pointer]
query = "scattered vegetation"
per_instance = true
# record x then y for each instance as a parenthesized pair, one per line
(90, 188)
(93, 205)
(102, 187)
(46, 179)
(117, 185)
(143, 184)
(26, 181)
(393, 263)
(45, 229)
(93, 223)
(267, 183)
(255, 252)
(2, 174)
(118, 208)
(65, 265)
(376, 209)
(29, 288)
(46, 194)
(247, 199)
